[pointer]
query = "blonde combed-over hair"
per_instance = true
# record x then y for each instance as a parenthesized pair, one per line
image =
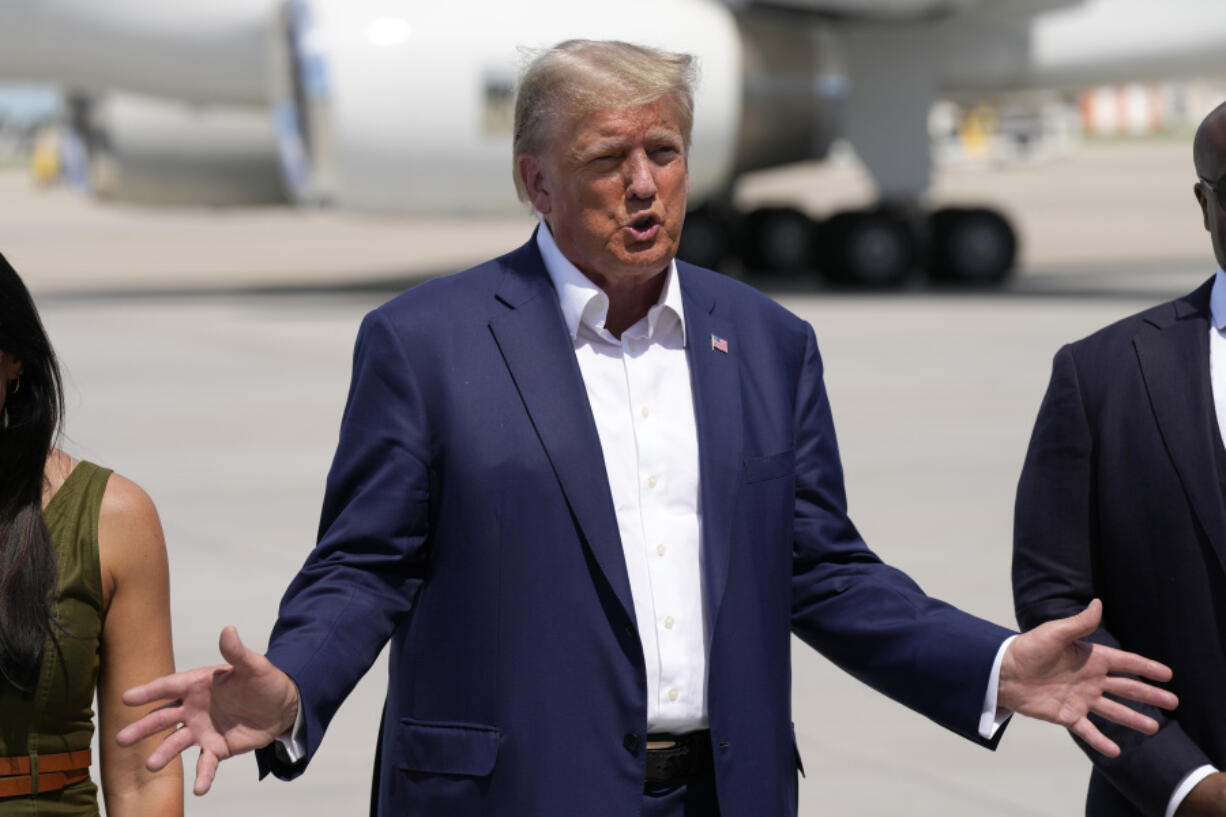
(578, 77)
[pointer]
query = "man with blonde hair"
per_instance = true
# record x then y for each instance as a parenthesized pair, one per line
(588, 491)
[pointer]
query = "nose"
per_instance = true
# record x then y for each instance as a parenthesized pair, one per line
(640, 176)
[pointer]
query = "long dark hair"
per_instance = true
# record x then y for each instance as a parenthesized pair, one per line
(28, 425)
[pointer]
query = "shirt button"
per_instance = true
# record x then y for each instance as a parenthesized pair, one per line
(645, 411)
(660, 549)
(672, 694)
(668, 622)
(651, 482)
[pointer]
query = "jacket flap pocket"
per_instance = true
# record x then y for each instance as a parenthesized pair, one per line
(782, 464)
(447, 748)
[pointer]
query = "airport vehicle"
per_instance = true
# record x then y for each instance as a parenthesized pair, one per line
(396, 105)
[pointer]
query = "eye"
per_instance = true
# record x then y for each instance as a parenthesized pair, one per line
(606, 161)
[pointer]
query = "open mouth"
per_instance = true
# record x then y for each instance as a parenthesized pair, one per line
(644, 227)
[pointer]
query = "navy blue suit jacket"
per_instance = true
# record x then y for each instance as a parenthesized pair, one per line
(468, 519)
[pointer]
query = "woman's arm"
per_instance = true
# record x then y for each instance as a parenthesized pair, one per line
(136, 647)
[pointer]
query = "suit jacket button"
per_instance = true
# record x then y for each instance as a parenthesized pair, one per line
(724, 745)
(631, 742)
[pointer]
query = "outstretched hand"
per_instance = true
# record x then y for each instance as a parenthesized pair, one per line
(1050, 674)
(226, 710)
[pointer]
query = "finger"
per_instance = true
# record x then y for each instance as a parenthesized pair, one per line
(1124, 715)
(1140, 692)
(158, 720)
(1119, 661)
(206, 770)
(1096, 739)
(233, 650)
(1081, 625)
(169, 750)
(168, 687)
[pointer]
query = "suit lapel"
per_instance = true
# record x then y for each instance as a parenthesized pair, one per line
(532, 336)
(716, 386)
(1175, 364)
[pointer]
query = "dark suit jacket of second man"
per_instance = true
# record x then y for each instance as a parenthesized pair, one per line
(1121, 497)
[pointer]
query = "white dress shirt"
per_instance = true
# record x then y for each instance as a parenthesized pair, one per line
(638, 388)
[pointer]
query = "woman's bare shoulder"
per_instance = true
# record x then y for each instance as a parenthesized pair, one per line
(129, 530)
(125, 503)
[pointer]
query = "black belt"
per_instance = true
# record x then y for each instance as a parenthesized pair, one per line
(673, 758)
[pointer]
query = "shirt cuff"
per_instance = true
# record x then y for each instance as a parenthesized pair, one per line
(290, 747)
(991, 718)
(1185, 787)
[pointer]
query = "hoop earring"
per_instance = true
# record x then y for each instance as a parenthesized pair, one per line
(17, 387)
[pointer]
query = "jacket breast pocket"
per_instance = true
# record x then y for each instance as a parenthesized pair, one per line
(444, 768)
(772, 466)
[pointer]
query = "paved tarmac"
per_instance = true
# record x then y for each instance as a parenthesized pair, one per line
(224, 404)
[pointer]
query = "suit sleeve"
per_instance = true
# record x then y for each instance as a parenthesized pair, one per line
(1054, 552)
(868, 618)
(364, 573)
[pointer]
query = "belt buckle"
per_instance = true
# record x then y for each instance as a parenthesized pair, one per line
(672, 758)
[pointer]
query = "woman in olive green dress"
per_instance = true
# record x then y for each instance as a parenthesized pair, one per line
(84, 601)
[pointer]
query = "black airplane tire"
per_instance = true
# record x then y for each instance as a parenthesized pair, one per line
(706, 238)
(973, 247)
(778, 239)
(875, 249)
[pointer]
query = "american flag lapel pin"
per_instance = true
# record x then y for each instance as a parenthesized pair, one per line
(719, 344)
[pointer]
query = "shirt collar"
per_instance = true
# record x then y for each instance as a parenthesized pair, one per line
(1217, 300)
(585, 304)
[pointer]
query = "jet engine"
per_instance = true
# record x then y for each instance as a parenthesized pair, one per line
(395, 105)
(156, 151)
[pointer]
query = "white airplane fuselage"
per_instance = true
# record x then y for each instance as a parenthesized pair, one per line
(399, 105)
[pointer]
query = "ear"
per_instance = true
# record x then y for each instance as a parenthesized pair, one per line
(536, 182)
(1198, 190)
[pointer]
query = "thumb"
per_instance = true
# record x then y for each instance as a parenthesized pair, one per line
(1084, 623)
(233, 650)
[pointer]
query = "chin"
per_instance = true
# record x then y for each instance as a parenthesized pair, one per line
(648, 263)
(658, 253)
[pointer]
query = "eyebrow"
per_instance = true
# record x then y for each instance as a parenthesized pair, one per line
(600, 147)
(664, 135)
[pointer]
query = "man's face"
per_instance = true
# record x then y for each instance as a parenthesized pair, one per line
(1211, 209)
(612, 189)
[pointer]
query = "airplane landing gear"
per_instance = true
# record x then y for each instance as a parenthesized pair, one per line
(778, 239)
(707, 237)
(873, 249)
(973, 246)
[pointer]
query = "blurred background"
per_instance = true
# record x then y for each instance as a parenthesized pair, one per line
(206, 197)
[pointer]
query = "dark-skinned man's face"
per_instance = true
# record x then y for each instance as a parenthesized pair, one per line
(1213, 166)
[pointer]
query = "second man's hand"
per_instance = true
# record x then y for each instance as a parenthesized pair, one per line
(1049, 673)
(226, 710)
(1207, 798)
